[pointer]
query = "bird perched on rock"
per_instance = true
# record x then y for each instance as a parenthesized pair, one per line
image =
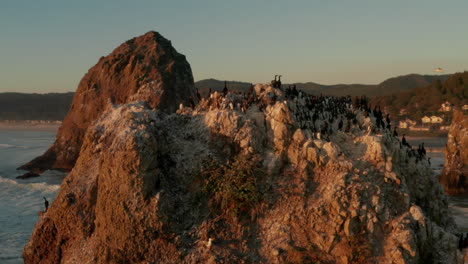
(225, 89)
(46, 204)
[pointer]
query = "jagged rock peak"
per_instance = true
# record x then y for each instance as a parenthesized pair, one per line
(149, 38)
(146, 68)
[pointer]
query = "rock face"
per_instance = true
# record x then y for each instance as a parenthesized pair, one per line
(455, 173)
(215, 185)
(145, 68)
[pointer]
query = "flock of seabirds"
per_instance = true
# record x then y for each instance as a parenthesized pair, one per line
(320, 116)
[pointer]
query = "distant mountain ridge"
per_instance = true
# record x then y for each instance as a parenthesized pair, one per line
(410, 81)
(54, 106)
(387, 87)
(217, 85)
(22, 106)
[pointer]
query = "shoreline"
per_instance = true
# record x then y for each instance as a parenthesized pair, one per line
(422, 134)
(433, 143)
(29, 126)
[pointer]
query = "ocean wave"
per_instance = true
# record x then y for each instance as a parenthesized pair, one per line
(39, 186)
(7, 146)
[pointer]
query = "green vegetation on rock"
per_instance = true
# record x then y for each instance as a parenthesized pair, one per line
(235, 187)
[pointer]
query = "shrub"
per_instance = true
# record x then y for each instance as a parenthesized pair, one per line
(233, 188)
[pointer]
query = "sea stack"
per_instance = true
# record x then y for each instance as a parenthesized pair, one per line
(219, 185)
(454, 177)
(146, 68)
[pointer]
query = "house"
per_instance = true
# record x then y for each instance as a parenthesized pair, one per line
(403, 112)
(446, 107)
(436, 119)
(406, 123)
(426, 119)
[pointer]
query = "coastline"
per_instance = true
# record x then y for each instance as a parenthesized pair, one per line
(50, 126)
(435, 143)
(422, 134)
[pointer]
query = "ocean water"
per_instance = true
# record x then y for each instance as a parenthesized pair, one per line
(21, 200)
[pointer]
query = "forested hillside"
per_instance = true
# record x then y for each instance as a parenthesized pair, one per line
(426, 100)
(20, 106)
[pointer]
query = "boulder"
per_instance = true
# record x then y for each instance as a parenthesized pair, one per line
(27, 175)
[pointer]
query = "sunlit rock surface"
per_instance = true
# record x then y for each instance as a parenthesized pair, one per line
(144, 68)
(455, 173)
(136, 194)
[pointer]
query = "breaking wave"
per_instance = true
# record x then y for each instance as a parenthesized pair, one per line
(38, 186)
(9, 146)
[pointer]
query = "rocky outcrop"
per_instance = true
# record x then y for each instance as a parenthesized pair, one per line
(455, 173)
(144, 68)
(220, 185)
(27, 175)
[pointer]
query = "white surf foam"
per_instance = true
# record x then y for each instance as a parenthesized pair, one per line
(9, 146)
(39, 186)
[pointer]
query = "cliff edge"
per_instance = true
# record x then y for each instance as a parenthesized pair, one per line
(282, 180)
(455, 172)
(144, 68)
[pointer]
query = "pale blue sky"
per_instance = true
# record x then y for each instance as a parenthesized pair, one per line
(47, 46)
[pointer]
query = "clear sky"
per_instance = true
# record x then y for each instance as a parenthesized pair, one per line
(47, 46)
